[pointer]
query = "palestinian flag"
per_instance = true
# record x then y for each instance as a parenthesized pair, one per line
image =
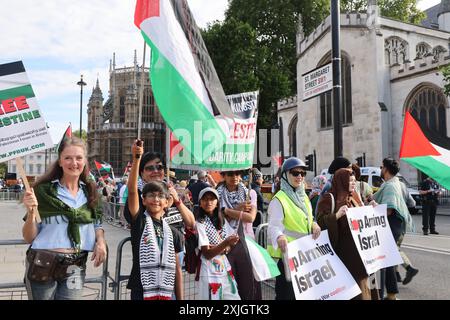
(185, 84)
(67, 135)
(20, 115)
(102, 166)
(264, 267)
(426, 150)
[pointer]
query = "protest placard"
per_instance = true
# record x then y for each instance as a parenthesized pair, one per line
(373, 237)
(317, 273)
(23, 130)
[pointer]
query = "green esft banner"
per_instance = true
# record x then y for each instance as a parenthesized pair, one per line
(238, 150)
(22, 128)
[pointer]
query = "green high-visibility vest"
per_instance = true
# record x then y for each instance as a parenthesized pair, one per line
(296, 222)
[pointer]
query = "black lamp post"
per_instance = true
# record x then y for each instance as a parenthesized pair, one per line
(81, 83)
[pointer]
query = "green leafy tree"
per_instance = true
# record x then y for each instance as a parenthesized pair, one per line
(402, 10)
(3, 169)
(446, 74)
(83, 135)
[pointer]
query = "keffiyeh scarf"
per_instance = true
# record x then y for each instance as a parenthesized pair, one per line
(157, 269)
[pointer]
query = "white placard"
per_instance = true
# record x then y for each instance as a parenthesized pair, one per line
(317, 273)
(373, 237)
(23, 129)
(317, 81)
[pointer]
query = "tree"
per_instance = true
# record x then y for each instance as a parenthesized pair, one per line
(83, 135)
(3, 169)
(445, 70)
(403, 10)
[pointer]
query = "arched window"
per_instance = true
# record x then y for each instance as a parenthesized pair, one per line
(438, 52)
(396, 50)
(325, 100)
(293, 137)
(422, 50)
(122, 109)
(428, 104)
(148, 107)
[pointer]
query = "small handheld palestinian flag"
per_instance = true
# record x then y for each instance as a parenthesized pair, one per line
(426, 150)
(67, 135)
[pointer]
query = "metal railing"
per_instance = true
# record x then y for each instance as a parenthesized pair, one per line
(10, 195)
(18, 289)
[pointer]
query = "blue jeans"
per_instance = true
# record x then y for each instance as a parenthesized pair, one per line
(68, 288)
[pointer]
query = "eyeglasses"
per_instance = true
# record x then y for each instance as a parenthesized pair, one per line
(297, 173)
(154, 196)
(157, 167)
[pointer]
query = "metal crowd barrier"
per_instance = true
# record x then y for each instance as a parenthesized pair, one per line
(10, 195)
(18, 289)
(118, 285)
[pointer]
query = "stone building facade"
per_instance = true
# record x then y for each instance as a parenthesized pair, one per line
(388, 67)
(113, 125)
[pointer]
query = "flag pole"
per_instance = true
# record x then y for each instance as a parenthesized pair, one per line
(168, 152)
(22, 173)
(141, 94)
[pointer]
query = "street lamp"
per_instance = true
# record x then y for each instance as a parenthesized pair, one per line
(81, 83)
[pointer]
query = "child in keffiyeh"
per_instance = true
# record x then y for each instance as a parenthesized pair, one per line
(160, 271)
(216, 277)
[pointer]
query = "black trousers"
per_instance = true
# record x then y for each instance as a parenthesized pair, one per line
(429, 216)
(283, 288)
(388, 277)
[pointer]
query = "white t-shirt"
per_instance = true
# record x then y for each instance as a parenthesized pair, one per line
(121, 193)
(217, 267)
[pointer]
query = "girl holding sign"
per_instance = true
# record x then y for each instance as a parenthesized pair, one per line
(68, 205)
(331, 211)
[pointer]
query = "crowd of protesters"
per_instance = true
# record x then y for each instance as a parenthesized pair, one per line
(161, 212)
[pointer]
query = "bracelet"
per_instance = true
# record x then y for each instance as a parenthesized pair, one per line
(176, 203)
(240, 214)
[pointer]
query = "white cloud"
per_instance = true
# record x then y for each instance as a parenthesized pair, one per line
(425, 4)
(59, 40)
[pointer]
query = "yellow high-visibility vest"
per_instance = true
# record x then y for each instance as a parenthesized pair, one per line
(296, 222)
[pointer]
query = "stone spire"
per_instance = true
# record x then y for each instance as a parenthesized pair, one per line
(97, 94)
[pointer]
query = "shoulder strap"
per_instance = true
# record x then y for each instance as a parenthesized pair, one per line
(332, 202)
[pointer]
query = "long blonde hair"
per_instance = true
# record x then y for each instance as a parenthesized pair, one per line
(56, 172)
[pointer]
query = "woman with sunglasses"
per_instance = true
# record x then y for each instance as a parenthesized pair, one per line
(150, 168)
(290, 218)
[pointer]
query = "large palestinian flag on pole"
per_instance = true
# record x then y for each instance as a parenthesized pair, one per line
(426, 150)
(187, 89)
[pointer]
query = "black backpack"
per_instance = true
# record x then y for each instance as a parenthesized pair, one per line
(105, 192)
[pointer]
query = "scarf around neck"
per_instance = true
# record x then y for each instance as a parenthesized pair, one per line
(49, 205)
(157, 268)
(230, 199)
(297, 195)
(391, 194)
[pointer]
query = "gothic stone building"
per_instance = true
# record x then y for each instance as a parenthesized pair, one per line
(113, 125)
(388, 68)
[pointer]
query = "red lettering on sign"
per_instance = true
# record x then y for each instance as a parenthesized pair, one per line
(8, 106)
(21, 103)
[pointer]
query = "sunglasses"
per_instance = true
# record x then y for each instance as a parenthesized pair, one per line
(157, 167)
(297, 173)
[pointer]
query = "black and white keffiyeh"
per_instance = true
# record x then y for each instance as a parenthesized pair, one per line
(215, 237)
(157, 269)
(230, 199)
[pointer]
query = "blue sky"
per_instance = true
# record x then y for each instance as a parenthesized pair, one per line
(59, 40)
